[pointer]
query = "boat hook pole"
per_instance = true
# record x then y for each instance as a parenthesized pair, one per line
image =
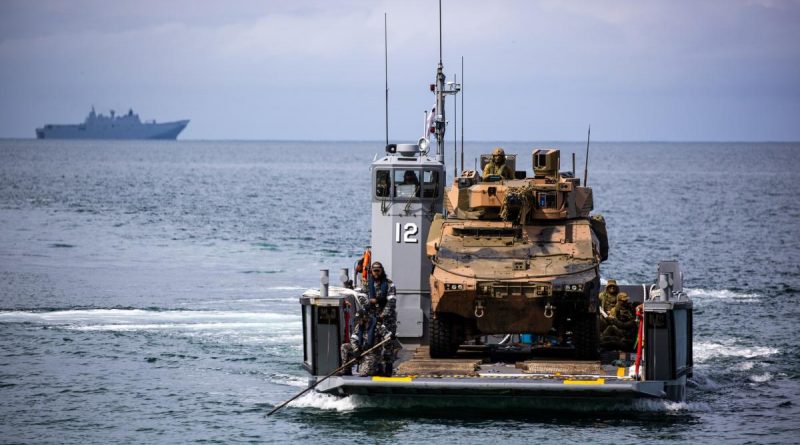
(350, 363)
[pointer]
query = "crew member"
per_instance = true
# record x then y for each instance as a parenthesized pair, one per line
(620, 330)
(608, 299)
(497, 166)
(382, 305)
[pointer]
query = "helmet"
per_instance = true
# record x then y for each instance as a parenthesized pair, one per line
(622, 296)
(498, 152)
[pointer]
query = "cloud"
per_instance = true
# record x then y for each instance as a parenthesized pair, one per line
(547, 61)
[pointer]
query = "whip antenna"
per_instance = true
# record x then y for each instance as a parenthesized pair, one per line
(386, 73)
(586, 164)
(455, 131)
(462, 113)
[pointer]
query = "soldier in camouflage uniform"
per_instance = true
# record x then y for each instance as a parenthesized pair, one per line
(620, 329)
(608, 299)
(497, 166)
(375, 321)
(382, 302)
(358, 340)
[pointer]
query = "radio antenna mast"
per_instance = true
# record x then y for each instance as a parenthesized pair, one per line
(586, 162)
(386, 72)
(439, 119)
(462, 113)
(455, 131)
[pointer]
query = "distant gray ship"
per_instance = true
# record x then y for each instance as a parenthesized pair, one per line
(98, 126)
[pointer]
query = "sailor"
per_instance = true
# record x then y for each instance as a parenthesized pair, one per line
(497, 166)
(352, 348)
(410, 178)
(620, 330)
(382, 305)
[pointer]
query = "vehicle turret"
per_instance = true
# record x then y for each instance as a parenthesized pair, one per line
(548, 195)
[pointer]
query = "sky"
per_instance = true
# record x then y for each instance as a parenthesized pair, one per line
(700, 70)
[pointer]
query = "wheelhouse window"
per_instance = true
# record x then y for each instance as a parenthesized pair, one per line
(430, 184)
(382, 183)
(406, 183)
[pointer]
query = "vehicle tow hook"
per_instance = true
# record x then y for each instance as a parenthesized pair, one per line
(479, 309)
(548, 310)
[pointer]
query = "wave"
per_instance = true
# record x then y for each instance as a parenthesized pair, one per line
(706, 351)
(141, 319)
(724, 294)
(286, 288)
(313, 399)
(761, 378)
(289, 380)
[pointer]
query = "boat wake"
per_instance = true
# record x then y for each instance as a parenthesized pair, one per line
(328, 402)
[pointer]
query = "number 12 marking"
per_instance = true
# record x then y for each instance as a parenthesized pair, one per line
(409, 233)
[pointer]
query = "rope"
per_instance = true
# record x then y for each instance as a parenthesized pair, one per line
(640, 337)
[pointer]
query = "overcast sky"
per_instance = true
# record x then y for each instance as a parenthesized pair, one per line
(314, 70)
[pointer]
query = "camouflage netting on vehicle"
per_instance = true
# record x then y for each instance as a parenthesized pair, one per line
(518, 198)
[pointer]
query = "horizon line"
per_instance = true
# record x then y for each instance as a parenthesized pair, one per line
(381, 142)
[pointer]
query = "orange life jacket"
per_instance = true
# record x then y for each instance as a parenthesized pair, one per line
(366, 265)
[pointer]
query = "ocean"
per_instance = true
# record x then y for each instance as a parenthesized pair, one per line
(149, 291)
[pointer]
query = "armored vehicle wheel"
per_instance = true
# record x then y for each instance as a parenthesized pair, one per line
(444, 338)
(586, 336)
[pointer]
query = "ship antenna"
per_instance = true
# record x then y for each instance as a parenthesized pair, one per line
(440, 114)
(386, 73)
(455, 131)
(586, 164)
(462, 113)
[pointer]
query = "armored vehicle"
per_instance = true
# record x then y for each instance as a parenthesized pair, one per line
(516, 256)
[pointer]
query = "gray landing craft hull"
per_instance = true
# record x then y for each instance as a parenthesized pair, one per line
(622, 389)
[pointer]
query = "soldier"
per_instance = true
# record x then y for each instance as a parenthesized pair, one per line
(608, 298)
(497, 166)
(620, 330)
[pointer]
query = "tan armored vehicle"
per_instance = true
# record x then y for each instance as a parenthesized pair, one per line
(516, 256)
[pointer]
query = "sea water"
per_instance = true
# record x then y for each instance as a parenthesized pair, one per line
(149, 292)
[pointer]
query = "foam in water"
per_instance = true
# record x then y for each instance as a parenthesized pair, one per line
(137, 315)
(706, 351)
(313, 399)
(289, 380)
(272, 327)
(761, 378)
(321, 401)
(724, 294)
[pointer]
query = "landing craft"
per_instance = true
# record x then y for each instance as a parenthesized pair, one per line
(482, 268)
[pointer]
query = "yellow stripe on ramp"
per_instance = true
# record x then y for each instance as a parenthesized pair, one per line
(585, 382)
(621, 372)
(392, 379)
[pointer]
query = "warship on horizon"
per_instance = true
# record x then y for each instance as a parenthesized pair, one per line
(99, 126)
